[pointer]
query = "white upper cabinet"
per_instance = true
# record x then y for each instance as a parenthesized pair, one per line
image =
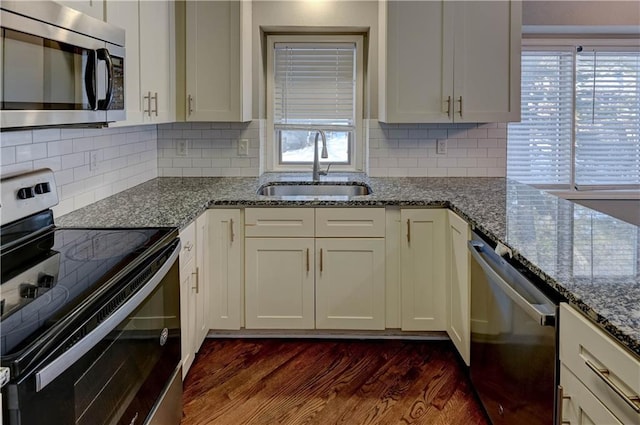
(150, 63)
(218, 61)
(444, 61)
(157, 61)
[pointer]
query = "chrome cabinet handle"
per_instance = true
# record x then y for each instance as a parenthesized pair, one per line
(197, 275)
(307, 260)
(155, 98)
(449, 106)
(188, 246)
(408, 230)
(148, 99)
(190, 101)
(603, 373)
(232, 235)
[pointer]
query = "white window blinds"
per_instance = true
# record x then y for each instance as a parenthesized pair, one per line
(539, 147)
(607, 135)
(314, 84)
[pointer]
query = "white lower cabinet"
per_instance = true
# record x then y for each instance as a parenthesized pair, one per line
(279, 283)
(458, 285)
(226, 271)
(295, 278)
(350, 283)
(599, 378)
(423, 273)
(188, 296)
(194, 300)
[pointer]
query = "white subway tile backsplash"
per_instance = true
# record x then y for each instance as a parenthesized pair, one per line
(472, 149)
(126, 156)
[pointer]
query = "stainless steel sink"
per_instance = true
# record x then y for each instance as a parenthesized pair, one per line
(314, 190)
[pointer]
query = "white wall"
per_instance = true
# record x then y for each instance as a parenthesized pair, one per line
(585, 12)
(126, 156)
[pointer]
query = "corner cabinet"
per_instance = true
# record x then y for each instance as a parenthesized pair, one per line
(226, 274)
(423, 273)
(446, 62)
(218, 61)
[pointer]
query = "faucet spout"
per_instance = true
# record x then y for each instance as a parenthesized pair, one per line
(316, 160)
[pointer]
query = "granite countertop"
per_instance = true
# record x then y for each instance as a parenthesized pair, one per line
(588, 257)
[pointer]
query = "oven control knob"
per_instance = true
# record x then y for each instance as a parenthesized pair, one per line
(46, 281)
(41, 188)
(25, 193)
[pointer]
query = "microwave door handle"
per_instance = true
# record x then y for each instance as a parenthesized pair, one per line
(51, 371)
(90, 80)
(103, 104)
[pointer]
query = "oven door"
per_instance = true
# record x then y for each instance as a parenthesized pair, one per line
(118, 375)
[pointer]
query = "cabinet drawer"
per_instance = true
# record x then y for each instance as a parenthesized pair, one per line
(279, 222)
(188, 241)
(579, 406)
(601, 364)
(350, 222)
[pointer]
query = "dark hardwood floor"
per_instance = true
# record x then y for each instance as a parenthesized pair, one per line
(276, 381)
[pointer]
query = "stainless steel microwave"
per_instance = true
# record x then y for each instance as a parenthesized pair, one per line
(59, 67)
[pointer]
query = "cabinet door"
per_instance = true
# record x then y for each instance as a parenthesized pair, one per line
(157, 61)
(125, 15)
(225, 258)
(419, 62)
(187, 315)
(458, 284)
(279, 283)
(202, 276)
(350, 283)
(218, 60)
(423, 275)
(487, 61)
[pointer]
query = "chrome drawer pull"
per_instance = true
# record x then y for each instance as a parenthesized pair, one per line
(603, 373)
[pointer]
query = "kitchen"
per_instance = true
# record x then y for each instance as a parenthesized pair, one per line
(228, 134)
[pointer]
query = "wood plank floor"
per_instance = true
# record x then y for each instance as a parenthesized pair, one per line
(322, 382)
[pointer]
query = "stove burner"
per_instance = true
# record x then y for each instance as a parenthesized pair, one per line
(106, 245)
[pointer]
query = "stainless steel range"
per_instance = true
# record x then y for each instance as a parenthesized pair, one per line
(90, 318)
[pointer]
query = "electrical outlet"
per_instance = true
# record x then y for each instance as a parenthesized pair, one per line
(93, 161)
(243, 147)
(441, 147)
(182, 147)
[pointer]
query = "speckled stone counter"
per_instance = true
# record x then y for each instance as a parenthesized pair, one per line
(590, 258)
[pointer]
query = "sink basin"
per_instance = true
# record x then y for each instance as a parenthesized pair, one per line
(314, 190)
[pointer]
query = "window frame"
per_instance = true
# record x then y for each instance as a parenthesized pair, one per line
(571, 190)
(357, 146)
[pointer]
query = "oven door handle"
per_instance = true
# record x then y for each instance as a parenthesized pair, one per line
(54, 369)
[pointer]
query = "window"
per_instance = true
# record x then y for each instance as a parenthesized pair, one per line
(580, 125)
(314, 83)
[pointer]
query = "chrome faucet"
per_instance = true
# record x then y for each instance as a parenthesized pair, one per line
(316, 161)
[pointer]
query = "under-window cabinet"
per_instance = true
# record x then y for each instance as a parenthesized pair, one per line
(218, 61)
(445, 61)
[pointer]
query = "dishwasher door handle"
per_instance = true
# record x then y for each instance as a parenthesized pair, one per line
(535, 311)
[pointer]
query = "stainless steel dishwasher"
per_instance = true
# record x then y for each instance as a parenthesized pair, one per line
(513, 341)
